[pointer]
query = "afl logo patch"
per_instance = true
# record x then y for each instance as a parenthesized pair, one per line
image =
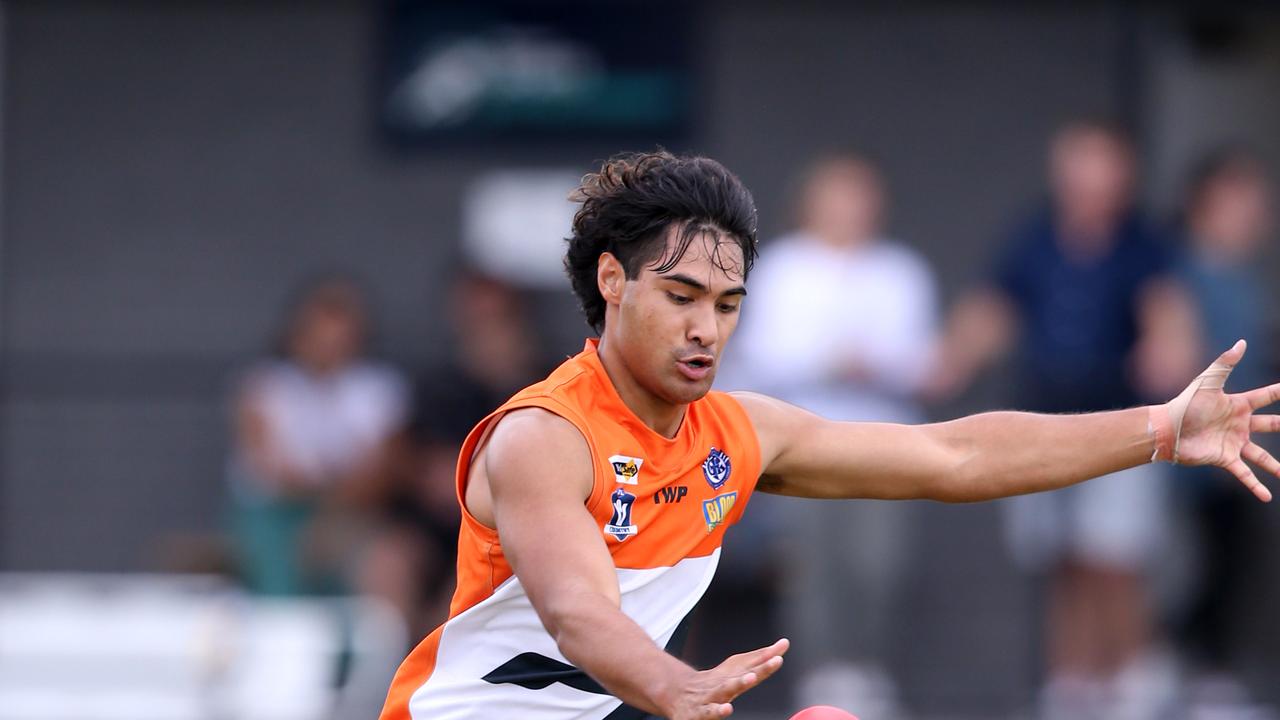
(626, 470)
(716, 468)
(620, 526)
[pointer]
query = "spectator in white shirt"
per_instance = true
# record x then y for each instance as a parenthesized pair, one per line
(842, 322)
(310, 466)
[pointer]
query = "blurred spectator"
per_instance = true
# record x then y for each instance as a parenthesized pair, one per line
(842, 321)
(1102, 326)
(313, 428)
(494, 355)
(1228, 217)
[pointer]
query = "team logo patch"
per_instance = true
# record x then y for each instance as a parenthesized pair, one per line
(626, 470)
(716, 468)
(621, 526)
(717, 509)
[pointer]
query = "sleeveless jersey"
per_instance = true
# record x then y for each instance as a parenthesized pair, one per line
(662, 506)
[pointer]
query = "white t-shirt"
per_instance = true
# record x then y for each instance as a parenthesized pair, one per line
(813, 310)
(324, 425)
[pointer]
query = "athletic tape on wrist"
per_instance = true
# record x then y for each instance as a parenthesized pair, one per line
(1164, 422)
(1160, 427)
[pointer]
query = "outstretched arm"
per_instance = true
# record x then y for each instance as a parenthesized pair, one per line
(537, 468)
(998, 454)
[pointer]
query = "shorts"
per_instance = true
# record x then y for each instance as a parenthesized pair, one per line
(1116, 521)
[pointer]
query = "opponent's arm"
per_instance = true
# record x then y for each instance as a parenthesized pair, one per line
(998, 454)
(539, 474)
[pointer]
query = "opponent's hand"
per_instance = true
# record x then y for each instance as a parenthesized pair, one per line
(1211, 427)
(709, 694)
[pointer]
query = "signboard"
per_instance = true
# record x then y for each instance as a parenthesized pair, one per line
(536, 70)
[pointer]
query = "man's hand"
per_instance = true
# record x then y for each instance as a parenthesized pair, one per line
(1206, 426)
(708, 694)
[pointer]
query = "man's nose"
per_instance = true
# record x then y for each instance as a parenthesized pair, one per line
(703, 329)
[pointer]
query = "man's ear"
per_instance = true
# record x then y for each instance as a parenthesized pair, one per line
(610, 278)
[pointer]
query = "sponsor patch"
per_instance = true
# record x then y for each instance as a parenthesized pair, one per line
(672, 494)
(716, 468)
(716, 510)
(626, 470)
(620, 526)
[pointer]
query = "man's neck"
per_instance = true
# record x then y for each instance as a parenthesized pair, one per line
(661, 416)
(1086, 242)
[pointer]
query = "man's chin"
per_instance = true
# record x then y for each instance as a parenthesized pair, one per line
(686, 391)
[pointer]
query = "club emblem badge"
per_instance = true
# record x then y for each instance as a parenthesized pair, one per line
(716, 468)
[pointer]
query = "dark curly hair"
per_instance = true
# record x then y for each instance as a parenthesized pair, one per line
(628, 204)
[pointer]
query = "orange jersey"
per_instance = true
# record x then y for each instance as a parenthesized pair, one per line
(662, 505)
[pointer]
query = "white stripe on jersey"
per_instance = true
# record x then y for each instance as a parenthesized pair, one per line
(505, 625)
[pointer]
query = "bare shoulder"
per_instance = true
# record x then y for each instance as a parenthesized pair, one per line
(533, 429)
(757, 404)
(777, 423)
(769, 414)
(529, 452)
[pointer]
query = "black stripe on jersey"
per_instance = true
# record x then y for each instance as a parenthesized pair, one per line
(534, 671)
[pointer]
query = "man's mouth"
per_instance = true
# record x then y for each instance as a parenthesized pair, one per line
(696, 367)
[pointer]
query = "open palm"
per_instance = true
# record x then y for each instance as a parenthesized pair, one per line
(1216, 426)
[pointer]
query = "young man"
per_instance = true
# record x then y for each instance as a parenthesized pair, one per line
(595, 501)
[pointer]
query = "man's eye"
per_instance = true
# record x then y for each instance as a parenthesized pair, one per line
(679, 299)
(728, 307)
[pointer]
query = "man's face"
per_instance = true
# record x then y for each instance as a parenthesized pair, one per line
(1092, 178)
(328, 338)
(1234, 213)
(843, 204)
(672, 326)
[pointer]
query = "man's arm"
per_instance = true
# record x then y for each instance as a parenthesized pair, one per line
(998, 454)
(538, 470)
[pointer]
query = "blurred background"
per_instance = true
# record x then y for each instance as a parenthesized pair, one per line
(263, 265)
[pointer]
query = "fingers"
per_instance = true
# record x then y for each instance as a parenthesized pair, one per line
(713, 711)
(1264, 423)
(718, 710)
(1232, 356)
(1256, 455)
(1263, 396)
(755, 657)
(767, 668)
(719, 696)
(734, 686)
(743, 683)
(1215, 376)
(747, 670)
(1246, 476)
(761, 672)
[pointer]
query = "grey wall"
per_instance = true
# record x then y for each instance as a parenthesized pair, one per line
(171, 172)
(172, 169)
